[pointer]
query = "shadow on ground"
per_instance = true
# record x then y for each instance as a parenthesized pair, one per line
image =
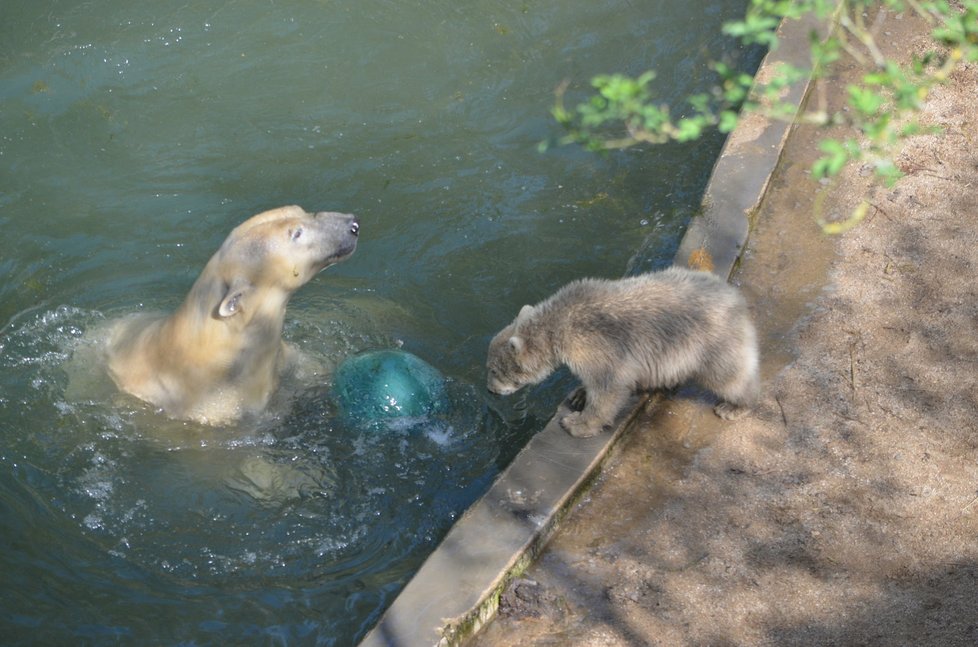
(845, 512)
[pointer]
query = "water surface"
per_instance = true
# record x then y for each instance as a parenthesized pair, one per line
(135, 135)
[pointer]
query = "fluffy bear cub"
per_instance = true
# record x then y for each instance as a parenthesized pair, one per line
(640, 333)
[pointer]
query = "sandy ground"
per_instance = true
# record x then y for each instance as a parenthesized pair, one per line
(845, 511)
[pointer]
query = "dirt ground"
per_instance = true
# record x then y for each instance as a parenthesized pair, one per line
(845, 511)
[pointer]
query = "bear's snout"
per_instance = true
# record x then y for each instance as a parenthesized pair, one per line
(340, 224)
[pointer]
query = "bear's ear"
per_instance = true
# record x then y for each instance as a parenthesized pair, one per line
(525, 312)
(234, 298)
(516, 343)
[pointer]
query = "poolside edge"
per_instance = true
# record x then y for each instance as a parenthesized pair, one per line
(456, 591)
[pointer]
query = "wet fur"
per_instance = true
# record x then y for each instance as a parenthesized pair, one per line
(640, 333)
(220, 355)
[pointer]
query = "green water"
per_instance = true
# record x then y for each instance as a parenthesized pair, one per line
(134, 135)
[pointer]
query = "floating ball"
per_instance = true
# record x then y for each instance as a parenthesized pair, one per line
(388, 384)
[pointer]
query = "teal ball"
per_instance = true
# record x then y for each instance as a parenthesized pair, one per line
(388, 384)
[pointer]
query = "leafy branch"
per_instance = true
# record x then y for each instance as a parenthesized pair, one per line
(880, 109)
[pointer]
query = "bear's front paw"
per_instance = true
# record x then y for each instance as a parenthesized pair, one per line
(577, 400)
(578, 426)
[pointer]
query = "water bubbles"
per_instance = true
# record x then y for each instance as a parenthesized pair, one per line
(173, 36)
(439, 434)
(121, 548)
(292, 498)
(93, 522)
(100, 491)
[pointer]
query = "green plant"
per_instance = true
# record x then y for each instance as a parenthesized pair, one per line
(879, 112)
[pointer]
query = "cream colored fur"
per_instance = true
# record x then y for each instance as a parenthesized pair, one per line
(220, 355)
(640, 333)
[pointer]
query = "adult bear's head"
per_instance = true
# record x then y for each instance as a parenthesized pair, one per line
(276, 252)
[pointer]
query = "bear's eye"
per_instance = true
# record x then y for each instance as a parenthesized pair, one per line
(295, 234)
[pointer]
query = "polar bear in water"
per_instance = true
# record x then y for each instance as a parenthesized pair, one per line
(221, 354)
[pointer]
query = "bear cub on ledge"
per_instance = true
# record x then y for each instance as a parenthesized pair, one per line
(640, 333)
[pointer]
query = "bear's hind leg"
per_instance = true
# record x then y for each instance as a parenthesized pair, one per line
(730, 411)
(739, 394)
(733, 376)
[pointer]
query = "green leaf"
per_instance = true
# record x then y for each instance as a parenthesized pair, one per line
(653, 118)
(689, 129)
(755, 29)
(728, 121)
(700, 102)
(836, 156)
(865, 101)
(888, 172)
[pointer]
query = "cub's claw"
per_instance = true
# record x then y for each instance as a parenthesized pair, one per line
(577, 400)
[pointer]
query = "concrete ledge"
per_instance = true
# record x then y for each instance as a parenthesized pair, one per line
(716, 237)
(457, 589)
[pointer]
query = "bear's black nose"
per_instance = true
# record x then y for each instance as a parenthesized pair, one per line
(355, 228)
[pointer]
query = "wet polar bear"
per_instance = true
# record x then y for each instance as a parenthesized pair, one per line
(220, 355)
(640, 333)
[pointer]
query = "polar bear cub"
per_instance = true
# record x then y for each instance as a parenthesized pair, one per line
(640, 333)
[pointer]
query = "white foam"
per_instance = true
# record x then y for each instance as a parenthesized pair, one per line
(440, 434)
